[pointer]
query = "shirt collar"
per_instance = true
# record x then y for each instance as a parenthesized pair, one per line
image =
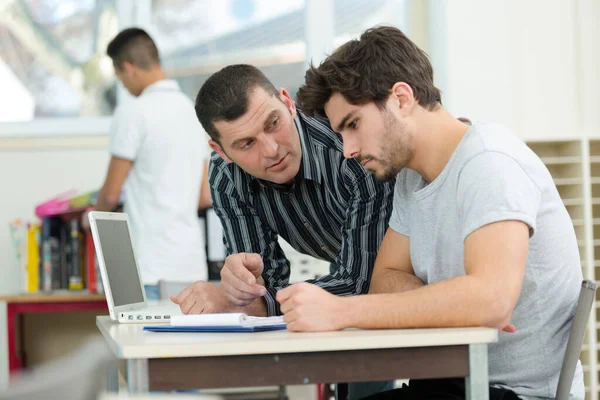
(164, 85)
(310, 168)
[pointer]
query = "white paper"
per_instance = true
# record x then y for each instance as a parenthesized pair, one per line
(224, 319)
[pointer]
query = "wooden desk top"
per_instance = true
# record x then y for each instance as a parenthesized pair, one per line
(53, 298)
(131, 341)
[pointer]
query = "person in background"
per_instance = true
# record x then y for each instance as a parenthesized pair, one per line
(158, 156)
(479, 235)
(276, 172)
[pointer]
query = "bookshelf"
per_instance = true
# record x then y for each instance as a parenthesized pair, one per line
(575, 167)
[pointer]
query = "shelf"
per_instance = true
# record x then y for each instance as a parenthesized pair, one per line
(556, 148)
(561, 160)
(574, 202)
(569, 181)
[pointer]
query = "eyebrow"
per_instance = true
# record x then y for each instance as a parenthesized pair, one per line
(240, 140)
(270, 117)
(340, 126)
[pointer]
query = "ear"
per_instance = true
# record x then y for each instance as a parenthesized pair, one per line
(285, 97)
(217, 147)
(128, 68)
(403, 97)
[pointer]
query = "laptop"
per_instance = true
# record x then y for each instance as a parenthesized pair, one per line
(120, 274)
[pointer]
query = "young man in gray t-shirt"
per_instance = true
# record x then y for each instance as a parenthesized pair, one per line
(478, 236)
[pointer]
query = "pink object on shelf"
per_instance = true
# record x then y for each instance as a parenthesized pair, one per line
(55, 205)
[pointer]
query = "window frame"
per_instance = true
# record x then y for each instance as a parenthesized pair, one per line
(139, 13)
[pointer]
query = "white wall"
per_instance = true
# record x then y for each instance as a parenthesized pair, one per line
(516, 62)
(35, 169)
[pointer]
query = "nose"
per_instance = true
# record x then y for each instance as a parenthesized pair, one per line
(351, 148)
(270, 147)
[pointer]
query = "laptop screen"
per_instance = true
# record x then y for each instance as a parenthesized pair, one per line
(120, 262)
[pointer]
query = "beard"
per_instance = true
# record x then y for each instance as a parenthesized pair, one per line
(395, 150)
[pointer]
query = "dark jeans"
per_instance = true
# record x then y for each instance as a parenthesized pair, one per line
(438, 389)
(359, 390)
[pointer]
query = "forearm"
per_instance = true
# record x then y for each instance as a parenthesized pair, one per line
(393, 281)
(257, 308)
(105, 202)
(462, 301)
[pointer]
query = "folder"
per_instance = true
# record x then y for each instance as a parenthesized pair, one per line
(225, 322)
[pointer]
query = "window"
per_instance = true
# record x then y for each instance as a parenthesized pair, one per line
(52, 59)
(198, 37)
(53, 62)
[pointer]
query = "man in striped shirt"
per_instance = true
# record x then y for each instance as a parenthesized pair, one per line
(277, 172)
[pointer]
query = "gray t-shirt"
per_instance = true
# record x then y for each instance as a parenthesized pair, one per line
(493, 176)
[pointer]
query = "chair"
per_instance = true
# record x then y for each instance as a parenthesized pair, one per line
(78, 376)
(567, 371)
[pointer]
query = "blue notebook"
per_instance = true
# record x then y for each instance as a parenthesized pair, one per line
(170, 328)
(226, 322)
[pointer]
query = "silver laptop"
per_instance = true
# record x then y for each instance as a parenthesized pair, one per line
(121, 277)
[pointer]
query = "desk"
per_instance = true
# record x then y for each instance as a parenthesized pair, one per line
(12, 309)
(169, 361)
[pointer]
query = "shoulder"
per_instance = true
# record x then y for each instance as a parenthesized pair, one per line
(320, 132)
(226, 177)
(490, 136)
(494, 149)
(129, 109)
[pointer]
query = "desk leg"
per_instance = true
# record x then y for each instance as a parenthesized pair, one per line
(477, 383)
(137, 376)
(4, 350)
(112, 376)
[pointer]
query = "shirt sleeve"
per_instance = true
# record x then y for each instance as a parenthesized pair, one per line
(245, 232)
(398, 219)
(127, 131)
(366, 221)
(494, 187)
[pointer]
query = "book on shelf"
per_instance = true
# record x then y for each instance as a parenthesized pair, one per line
(60, 257)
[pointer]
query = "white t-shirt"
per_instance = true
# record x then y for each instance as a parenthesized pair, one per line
(160, 133)
(493, 176)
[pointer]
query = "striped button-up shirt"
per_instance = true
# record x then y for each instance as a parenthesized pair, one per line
(334, 211)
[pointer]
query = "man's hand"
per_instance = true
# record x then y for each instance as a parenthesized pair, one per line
(241, 278)
(203, 298)
(307, 307)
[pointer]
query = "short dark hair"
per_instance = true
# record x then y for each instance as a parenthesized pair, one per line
(365, 70)
(135, 46)
(226, 94)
